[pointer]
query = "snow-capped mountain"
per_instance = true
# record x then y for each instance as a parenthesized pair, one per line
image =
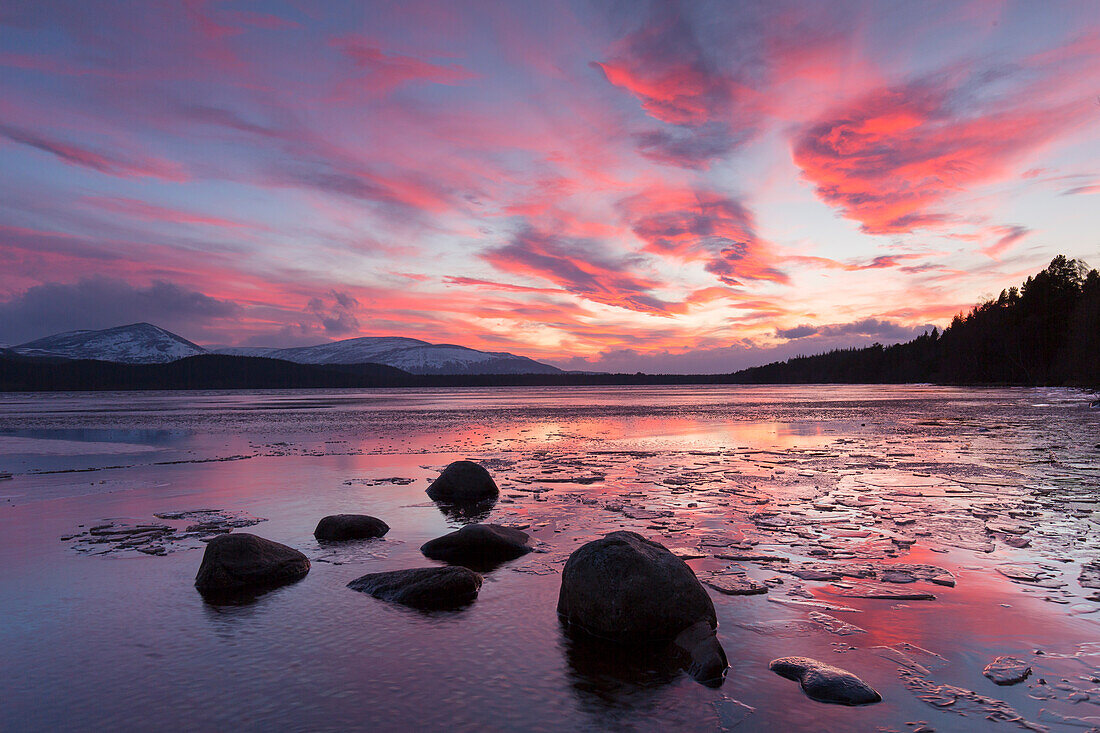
(411, 355)
(138, 343)
(144, 343)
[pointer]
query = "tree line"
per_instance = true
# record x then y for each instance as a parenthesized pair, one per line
(1045, 332)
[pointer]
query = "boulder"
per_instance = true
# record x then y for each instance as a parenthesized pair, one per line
(479, 546)
(463, 482)
(423, 588)
(339, 527)
(240, 561)
(628, 589)
(824, 682)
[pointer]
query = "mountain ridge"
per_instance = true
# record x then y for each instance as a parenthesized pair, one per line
(145, 343)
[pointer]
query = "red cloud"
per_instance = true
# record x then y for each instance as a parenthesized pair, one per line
(384, 72)
(151, 212)
(891, 158)
(577, 265)
(696, 225)
(1007, 238)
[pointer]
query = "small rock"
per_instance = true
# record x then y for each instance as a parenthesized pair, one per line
(479, 545)
(735, 585)
(242, 561)
(422, 588)
(339, 527)
(1007, 670)
(463, 482)
(824, 682)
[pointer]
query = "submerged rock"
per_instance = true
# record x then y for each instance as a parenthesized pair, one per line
(705, 659)
(1007, 670)
(479, 545)
(628, 589)
(339, 527)
(824, 682)
(736, 585)
(463, 482)
(242, 561)
(423, 588)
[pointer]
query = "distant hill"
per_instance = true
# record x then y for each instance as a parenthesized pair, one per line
(411, 355)
(138, 343)
(1046, 332)
(205, 371)
(144, 343)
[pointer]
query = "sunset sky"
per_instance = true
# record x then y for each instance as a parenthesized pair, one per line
(622, 186)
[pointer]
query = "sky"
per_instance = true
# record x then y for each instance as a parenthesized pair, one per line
(631, 186)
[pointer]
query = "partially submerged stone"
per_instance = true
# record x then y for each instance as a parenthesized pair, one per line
(479, 545)
(1007, 670)
(241, 561)
(880, 591)
(463, 482)
(628, 589)
(341, 527)
(735, 585)
(422, 588)
(824, 682)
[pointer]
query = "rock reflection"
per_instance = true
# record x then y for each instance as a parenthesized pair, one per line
(609, 676)
(466, 513)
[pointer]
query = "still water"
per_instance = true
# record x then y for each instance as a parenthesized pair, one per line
(994, 489)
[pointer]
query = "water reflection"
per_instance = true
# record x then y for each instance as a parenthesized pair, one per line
(102, 435)
(609, 676)
(467, 513)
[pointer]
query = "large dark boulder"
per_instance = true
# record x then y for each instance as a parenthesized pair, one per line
(824, 682)
(628, 589)
(423, 588)
(463, 482)
(479, 546)
(240, 562)
(339, 527)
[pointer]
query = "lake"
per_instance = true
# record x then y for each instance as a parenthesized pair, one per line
(837, 489)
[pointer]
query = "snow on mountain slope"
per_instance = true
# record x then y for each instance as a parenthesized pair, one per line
(449, 359)
(348, 351)
(137, 343)
(143, 343)
(412, 355)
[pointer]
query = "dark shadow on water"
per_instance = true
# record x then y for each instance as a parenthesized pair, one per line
(467, 513)
(611, 677)
(218, 600)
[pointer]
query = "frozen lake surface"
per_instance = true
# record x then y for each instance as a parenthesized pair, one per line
(983, 499)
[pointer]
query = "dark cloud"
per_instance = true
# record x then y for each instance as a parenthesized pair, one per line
(336, 313)
(101, 302)
(869, 327)
(579, 266)
(665, 64)
(109, 163)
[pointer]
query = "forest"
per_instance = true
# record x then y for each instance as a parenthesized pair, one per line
(1045, 332)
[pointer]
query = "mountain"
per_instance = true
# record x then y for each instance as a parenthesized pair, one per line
(144, 343)
(410, 355)
(138, 343)
(205, 371)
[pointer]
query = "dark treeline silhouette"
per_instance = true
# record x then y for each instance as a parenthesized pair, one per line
(1046, 332)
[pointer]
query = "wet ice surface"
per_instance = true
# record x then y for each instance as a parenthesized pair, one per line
(908, 535)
